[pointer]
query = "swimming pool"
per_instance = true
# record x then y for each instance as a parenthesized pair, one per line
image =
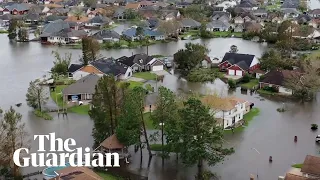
(51, 172)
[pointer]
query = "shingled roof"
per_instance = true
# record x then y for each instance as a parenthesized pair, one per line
(84, 85)
(78, 173)
(242, 60)
(112, 142)
(278, 77)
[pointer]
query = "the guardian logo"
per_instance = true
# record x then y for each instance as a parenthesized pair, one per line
(64, 152)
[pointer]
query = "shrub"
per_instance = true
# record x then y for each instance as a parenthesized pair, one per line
(270, 89)
(202, 75)
(43, 115)
(246, 78)
(1, 111)
(314, 126)
(232, 84)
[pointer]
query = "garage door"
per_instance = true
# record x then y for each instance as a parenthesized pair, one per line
(231, 72)
(157, 68)
(238, 73)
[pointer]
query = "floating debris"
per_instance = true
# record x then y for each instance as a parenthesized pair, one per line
(19, 104)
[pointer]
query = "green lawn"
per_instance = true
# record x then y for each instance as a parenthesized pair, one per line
(262, 91)
(84, 109)
(247, 117)
(226, 34)
(297, 166)
(107, 176)
(145, 75)
(250, 85)
(134, 84)
(148, 121)
(191, 33)
(157, 147)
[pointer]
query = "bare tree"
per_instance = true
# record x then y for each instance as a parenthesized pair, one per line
(169, 27)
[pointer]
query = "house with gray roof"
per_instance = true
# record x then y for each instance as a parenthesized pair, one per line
(218, 25)
(98, 22)
(16, 9)
(140, 62)
(315, 13)
(32, 19)
(190, 24)
(290, 4)
(81, 90)
(119, 13)
(106, 35)
(100, 67)
(66, 36)
(131, 34)
(218, 14)
(261, 12)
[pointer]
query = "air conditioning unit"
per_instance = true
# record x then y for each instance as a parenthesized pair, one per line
(280, 178)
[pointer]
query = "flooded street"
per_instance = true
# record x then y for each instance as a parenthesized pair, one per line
(271, 133)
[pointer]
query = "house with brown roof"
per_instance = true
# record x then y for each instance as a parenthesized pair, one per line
(228, 111)
(78, 173)
(111, 145)
(290, 176)
(133, 6)
(278, 79)
(79, 20)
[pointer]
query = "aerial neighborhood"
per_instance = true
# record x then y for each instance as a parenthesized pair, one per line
(163, 83)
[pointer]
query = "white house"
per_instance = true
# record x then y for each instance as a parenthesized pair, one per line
(228, 111)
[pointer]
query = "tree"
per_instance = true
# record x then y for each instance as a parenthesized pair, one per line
(169, 27)
(36, 95)
(305, 85)
(201, 138)
(90, 50)
(129, 126)
(12, 137)
(61, 64)
(107, 102)
(166, 114)
(233, 49)
(78, 13)
(90, 3)
(190, 57)
(203, 31)
(131, 14)
(139, 32)
(140, 93)
(272, 59)
(23, 34)
(12, 30)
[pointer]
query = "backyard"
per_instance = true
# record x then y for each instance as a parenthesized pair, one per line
(253, 83)
(145, 75)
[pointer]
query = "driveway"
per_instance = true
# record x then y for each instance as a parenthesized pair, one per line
(136, 79)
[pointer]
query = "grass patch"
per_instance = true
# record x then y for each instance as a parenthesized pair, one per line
(226, 34)
(158, 56)
(265, 92)
(149, 87)
(297, 166)
(148, 121)
(247, 117)
(251, 84)
(157, 147)
(204, 74)
(107, 176)
(192, 34)
(134, 84)
(83, 109)
(43, 114)
(3, 32)
(145, 75)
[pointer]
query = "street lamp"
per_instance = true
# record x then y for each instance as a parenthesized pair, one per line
(259, 154)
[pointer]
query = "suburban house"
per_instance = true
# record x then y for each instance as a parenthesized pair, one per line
(66, 36)
(228, 111)
(16, 9)
(83, 88)
(238, 20)
(277, 79)
(238, 64)
(98, 22)
(106, 35)
(261, 13)
(209, 62)
(51, 28)
(131, 35)
(218, 14)
(218, 25)
(168, 14)
(32, 19)
(133, 6)
(315, 13)
(190, 24)
(238, 28)
(310, 170)
(119, 13)
(76, 173)
(101, 67)
(142, 62)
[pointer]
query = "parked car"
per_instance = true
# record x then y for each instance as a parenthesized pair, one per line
(318, 138)
(167, 63)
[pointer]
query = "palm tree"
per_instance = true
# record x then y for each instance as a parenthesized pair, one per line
(77, 12)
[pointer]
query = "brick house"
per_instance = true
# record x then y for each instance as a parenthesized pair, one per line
(238, 64)
(277, 79)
